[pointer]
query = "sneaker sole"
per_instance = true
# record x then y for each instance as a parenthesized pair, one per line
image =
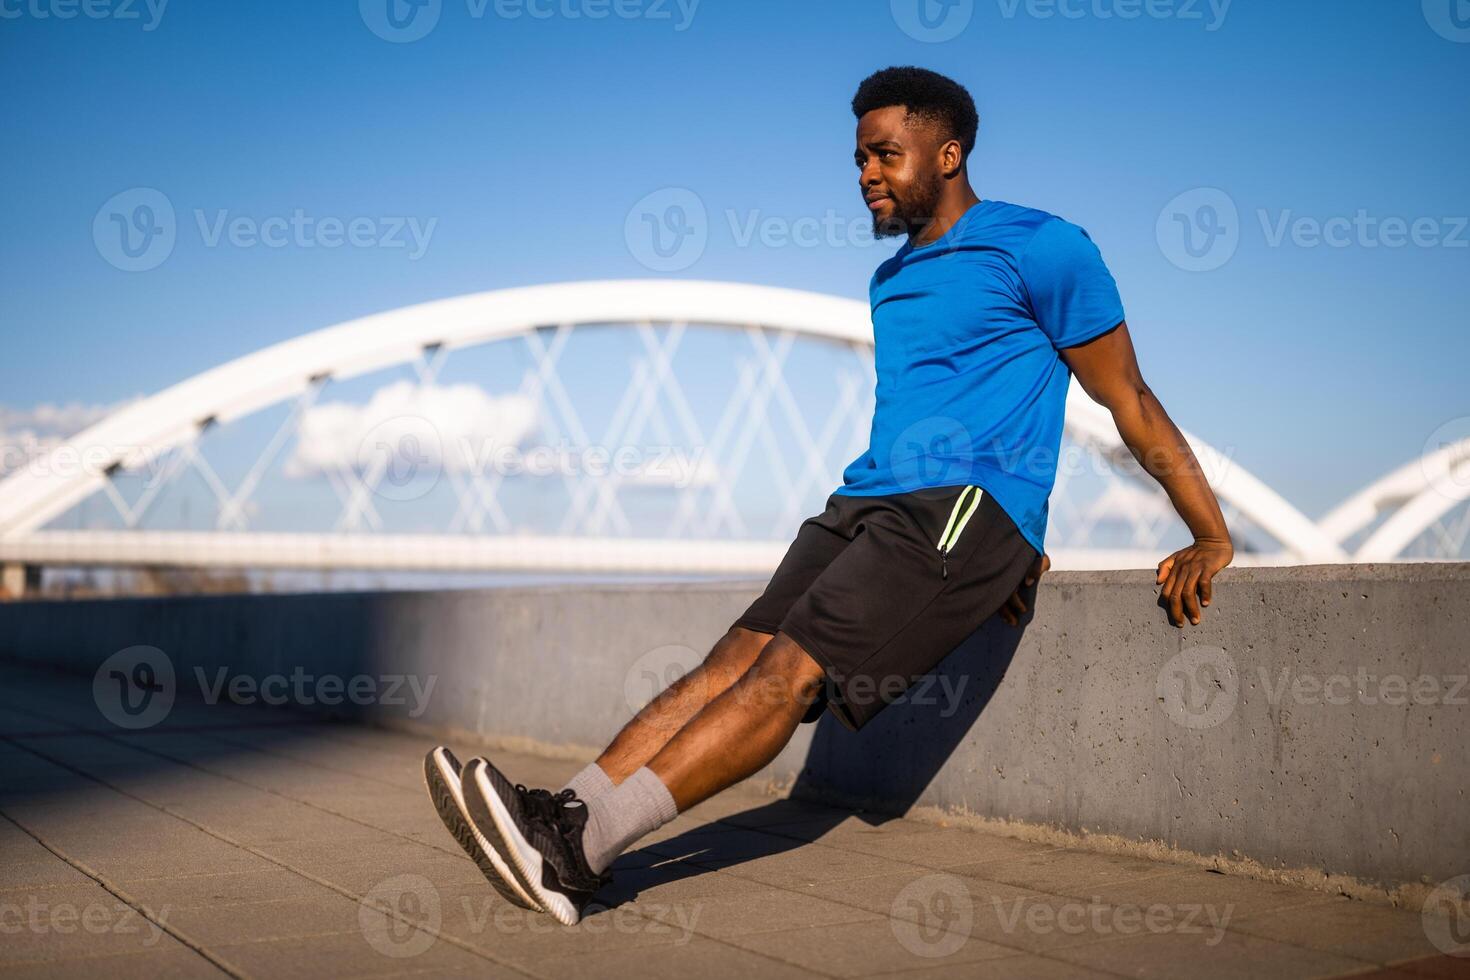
(442, 777)
(487, 808)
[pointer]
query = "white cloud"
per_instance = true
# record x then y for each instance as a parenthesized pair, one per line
(437, 426)
(28, 434)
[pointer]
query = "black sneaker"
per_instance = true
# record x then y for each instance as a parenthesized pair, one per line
(539, 834)
(442, 776)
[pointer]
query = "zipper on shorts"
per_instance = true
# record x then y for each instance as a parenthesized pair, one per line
(952, 528)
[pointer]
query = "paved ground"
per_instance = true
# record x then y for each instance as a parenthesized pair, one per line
(248, 842)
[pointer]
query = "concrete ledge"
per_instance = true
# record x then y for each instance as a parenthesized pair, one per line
(1317, 722)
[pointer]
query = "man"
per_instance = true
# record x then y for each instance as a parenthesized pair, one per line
(979, 319)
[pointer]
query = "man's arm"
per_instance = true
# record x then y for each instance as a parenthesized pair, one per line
(1108, 371)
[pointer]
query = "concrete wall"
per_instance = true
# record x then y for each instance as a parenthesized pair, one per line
(1318, 719)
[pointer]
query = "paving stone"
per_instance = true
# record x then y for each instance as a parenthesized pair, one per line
(803, 866)
(874, 946)
(748, 912)
(1176, 954)
(524, 938)
(223, 925)
(1368, 932)
(1062, 871)
(73, 920)
(765, 888)
(352, 955)
(707, 959)
(194, 891)
(175, 963)
(1238, 895)
(1022, 966)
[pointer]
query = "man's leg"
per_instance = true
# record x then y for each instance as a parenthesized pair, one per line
(648, 732)
(743, 729)
(735, 736)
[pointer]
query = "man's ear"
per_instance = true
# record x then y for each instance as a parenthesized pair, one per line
(951, 158)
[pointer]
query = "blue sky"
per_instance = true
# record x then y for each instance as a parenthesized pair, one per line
(519, 143)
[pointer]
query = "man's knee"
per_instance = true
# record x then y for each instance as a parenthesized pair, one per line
(735, 652)
(783, 673)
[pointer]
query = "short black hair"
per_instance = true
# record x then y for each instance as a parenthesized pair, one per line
(924, 93)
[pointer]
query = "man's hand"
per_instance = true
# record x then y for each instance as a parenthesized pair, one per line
(1015, 606)
(1107, 370)
(1187, 575)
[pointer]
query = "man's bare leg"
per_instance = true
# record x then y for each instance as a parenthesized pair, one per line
(648, 732)
(742, 729)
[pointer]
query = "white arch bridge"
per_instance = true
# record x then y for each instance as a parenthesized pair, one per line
(702, 373)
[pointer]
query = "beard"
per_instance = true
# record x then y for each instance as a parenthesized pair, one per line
(913, 212)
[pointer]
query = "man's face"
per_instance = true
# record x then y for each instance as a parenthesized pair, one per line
(899, 173)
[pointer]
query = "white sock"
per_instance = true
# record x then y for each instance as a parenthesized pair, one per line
(639, 805)
(590, 783)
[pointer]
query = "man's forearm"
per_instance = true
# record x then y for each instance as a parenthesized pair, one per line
(1161, 449)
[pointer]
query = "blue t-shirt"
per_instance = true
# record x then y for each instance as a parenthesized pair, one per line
(966, 330)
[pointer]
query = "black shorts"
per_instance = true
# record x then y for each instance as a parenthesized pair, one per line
(880, 589)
